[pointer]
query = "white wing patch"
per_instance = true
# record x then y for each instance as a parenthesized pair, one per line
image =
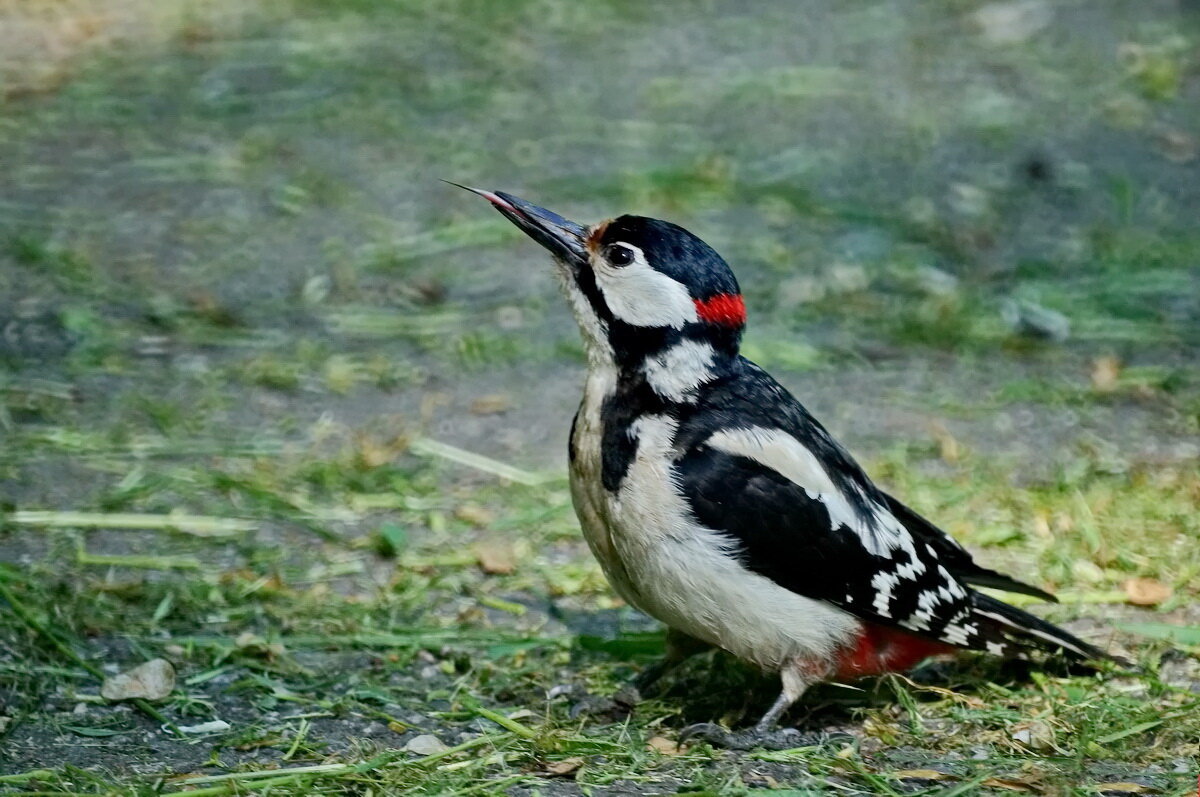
(881, 533)
(676, 372)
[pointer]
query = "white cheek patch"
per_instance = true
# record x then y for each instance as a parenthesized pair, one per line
(641, 296)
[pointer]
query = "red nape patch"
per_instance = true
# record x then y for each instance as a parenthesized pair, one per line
(879, 649)
(726, 309)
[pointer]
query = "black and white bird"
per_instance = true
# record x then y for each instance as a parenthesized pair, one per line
(717, 504)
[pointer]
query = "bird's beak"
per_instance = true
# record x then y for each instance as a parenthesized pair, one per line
(565, 239)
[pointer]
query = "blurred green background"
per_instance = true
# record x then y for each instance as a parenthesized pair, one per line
(233, 287)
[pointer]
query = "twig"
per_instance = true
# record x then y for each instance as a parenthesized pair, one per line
(33, 774)
(144, 562)
(36, 626)
(434, 448)
(266, 778)
(197, 525)
(505, 722)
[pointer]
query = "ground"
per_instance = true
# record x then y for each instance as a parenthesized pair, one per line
(278, 406)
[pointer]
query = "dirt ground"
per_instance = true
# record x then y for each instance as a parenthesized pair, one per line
(314, 402)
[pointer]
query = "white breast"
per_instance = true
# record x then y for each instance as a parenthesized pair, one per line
(669, 566)
(592, 502)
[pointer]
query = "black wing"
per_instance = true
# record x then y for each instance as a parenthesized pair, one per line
(841, 540)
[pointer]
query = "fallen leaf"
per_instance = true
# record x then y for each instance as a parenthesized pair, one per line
(920, 774)
(474, 514)
(1033, 734)
(1123, 788)
(495, 558)
(1007, 783)
(567, 766)
(250, 642)
(372, 453)
(1178, 146)
(948, 448)
(1106, 372)
(491, 404)
(662, 745)
(425, 744)
(154, 680)
(1146, 591)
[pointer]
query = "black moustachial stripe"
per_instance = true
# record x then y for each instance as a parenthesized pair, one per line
(632, 400)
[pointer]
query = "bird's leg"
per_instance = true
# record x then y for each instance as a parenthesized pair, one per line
(797, 677)
(680, 648)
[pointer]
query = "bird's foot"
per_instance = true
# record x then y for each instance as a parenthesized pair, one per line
(755, 738)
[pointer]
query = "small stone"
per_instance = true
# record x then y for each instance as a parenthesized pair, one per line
(847, 278)
(969, 200)
(1087, 572)
(425, 744)
(1034, 321)
(1106, 373)
(510, 318)
(1178, 146)
(212, 726)
(316, 290)
(1012, 22)
(935, 282)
(154, 680)
(801, 290)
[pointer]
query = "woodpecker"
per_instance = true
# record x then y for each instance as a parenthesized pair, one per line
(715, 503)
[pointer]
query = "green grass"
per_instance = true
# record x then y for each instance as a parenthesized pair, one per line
(280, 407)
(276, 628)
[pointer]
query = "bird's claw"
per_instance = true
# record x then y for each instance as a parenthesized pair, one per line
(778, 739)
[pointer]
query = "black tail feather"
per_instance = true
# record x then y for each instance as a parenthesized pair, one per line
(1015, 628)
(956, 558)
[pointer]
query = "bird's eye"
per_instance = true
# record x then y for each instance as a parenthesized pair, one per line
(619, 255)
